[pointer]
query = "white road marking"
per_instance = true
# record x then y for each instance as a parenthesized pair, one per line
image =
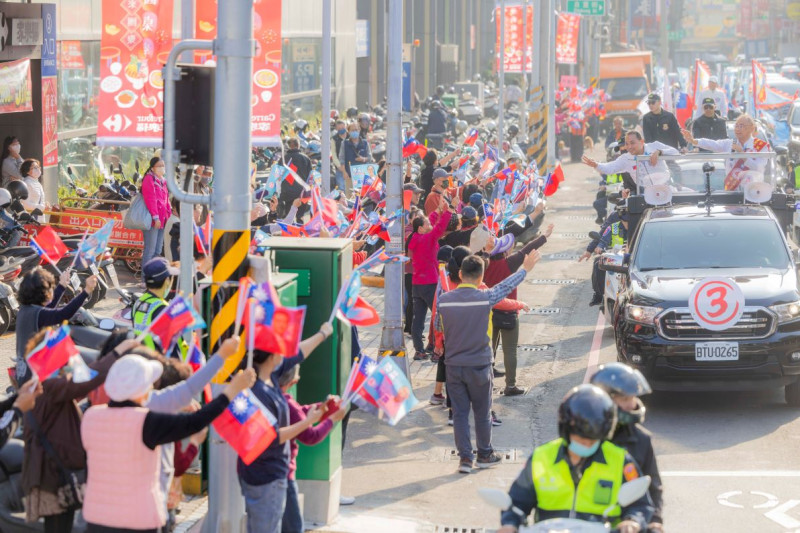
(594, 353)
(779, 516)
(731, 473)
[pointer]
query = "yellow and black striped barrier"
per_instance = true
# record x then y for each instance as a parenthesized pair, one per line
(537, 128)
(229, 249)
(393, 353)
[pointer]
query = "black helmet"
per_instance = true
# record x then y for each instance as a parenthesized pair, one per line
(352, 112)
(620, 379)
(513, 130)
(18, 190)
(440, 90)
(587, 411)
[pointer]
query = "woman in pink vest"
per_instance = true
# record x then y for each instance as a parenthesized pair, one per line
(122, 442)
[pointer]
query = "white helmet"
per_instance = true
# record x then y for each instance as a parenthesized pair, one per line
(5, 198)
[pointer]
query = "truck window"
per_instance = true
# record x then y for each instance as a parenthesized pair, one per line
(710, 243)
(624, 88)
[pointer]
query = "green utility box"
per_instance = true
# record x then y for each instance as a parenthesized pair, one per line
(450, 100)
(322, 266)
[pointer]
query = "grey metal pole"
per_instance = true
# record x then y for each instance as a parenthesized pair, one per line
(523, 78)
(501, 86)
(664, 36)
(550, 73)
(231, 203)
(327, 45)
(187, 210)
(392, 335)
(536, 45)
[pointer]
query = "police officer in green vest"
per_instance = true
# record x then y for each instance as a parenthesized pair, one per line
(581, 457)
(613, 233)
(794, 177)
(158, 276)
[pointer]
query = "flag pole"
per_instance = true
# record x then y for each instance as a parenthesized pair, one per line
(47, 257)
(250, 335)
(339, 298)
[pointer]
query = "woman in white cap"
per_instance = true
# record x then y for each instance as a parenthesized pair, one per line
(122, 441)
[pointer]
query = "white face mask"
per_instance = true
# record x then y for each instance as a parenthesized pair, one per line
(15, 147)
(36, 173)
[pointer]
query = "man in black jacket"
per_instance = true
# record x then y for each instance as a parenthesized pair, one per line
(709, 125)
(661, 125)
(290, 188)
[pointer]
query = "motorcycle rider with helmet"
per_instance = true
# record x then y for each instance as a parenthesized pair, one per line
(582, 457)
(15, 190)
(625, 385)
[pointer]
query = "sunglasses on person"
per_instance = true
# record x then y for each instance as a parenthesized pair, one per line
(652, 102)
(709, 106)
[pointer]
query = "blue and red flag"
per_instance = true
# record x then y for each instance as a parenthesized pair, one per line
(503, 174)
(196, 358)
(413, 146)
(52, 353)
(247, 426)
(553, 180)
(179, 315)
(354, 309)
(95, 244)
(293, 177)
(472, 137)
(391, 391)
(49, 245)
(354, 390)
(380, 256)
(326, 207)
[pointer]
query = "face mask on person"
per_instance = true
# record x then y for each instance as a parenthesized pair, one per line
(15, 147)
(583, 451)
(204, 181)
(354, 135)
(341, 131)
(36, 173)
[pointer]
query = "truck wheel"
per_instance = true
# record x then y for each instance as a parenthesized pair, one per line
(792, 394)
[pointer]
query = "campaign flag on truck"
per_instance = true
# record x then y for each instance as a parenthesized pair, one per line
(52, 353)
(247, 426)
(759, 83)
(390, 389)
(48, 243)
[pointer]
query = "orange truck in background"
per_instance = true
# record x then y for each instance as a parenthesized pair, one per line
(626, 78)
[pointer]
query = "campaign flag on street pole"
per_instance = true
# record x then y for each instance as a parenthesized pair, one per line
(247, 426)
(388, 386)
(52, 353)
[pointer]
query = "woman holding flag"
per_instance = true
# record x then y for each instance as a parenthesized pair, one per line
(38, 297)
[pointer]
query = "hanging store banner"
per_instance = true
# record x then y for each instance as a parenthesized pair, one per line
(135, 44)
(49, 88)
(512, 56)
(15, 86)
(567, 38)
(266, 99)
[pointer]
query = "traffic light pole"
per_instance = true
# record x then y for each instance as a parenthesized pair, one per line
(231, 202)
(327, 46)
(392, 341)
(501, 86)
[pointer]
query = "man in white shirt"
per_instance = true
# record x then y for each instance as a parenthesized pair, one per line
(712, 91)
(744, 129)
(653, 172)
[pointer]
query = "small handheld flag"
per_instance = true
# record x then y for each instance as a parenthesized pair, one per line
(247, 426)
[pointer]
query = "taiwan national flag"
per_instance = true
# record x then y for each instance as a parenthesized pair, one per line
(52, 353)
(326, 207)
(247, 426)
(380, 257)
(178, 316)
(354, 392)
(48, 243)
(471, 138)
(413, 146)
(196, 358)
(354, 309)
(557, 176)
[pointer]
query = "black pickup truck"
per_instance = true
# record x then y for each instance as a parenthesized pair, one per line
(672, 249)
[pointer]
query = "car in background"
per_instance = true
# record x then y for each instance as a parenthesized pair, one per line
(791, 71)
(794, 135)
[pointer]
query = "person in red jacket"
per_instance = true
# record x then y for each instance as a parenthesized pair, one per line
(292, 517)
(423, 246)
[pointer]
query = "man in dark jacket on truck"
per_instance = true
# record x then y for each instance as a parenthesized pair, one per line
(709, 125)
(661, 125)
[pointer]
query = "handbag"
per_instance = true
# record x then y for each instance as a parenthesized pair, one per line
(138, 216)
(504, 319)
(73, 482)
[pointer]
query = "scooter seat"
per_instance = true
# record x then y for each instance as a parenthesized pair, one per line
(89, 337)
(11, 458)
(89, 355)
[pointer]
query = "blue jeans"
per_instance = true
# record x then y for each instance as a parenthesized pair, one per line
(153, 243)
(292, 517)
(264, 505)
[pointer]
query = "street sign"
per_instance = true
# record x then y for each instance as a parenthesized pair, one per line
(590, 8)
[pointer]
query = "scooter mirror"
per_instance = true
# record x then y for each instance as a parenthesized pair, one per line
(497, 498)
(37, 212)
(107, 324)
(633, 490)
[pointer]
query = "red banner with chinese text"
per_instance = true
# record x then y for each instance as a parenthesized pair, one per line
(567, 38)
(135, 43)
(70, 55)
(266, 99)
(49, 122)
(512, 58)
(15, 86)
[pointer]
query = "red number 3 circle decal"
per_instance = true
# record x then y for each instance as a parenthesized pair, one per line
(716, 303)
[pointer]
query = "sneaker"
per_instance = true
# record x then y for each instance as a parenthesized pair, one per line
(420, 356)
(465, 466)
(513, 391)
(496, 421)
(599, 220)
(437, 399)
(435, 357)
(346, 500)
(498, 373)
(449, 417)
(488, 461)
